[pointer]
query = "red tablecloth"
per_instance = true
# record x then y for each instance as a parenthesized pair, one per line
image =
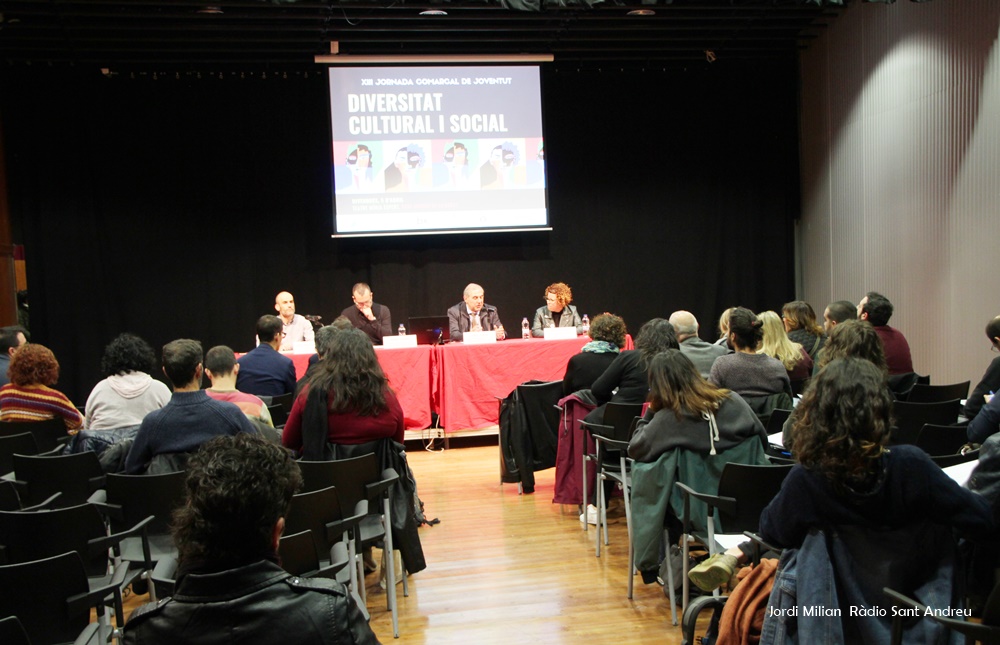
(469, 377)
(409, 372)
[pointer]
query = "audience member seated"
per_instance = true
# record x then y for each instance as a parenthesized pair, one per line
(702, 354)
(346, 401)
(128, 392)
(876, 309)
(11, 339)
(229, 581)
(991, 378)
(854, 339)
(323, 337)
(221, 369)
(801, 326)
(848, 485)
(724, 328)
(776, 344)
(607, 334)
(368, 316)
(838, 312)
(294, 328)
(691, 429)
(626, 380)
(263, 371)
(557, 311)
(473, 314)
(686, 411)
(745, 371)
(166, 436)
(29, 397)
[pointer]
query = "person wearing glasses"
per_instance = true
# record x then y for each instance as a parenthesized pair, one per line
(368, 316)
(557, 311)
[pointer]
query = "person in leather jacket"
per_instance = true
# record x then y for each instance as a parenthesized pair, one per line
(229, 585)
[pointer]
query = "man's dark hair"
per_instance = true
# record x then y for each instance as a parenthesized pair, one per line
(747, 329)
(237, 488)
(878, 308)
(324, 338)
(180, 360)
(8, 337)
(842, 310)
(268, 327)
(993, 329)
(127, 353)
(220, 359)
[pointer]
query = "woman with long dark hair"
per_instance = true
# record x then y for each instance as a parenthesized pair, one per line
(348, 394)
(686, 411)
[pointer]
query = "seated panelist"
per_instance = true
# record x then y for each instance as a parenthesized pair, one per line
(473, 315)
(557, 311)
(368, 316)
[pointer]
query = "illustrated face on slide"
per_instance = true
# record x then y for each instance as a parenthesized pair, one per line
(414, 160)
(496, 157)
(475, 299)
(460, 156)
(364, 159)
(400, 161)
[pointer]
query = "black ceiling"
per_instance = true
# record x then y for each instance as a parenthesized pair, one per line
(181, 34)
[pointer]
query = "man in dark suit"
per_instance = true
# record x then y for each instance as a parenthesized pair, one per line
(368, 316)
(702, 354)
(473, 315)
(263, 371)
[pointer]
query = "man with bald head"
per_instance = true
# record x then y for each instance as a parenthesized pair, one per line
(296, 328)
(473, 315)
(702, 354)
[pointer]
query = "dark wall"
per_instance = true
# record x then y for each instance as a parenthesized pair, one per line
(179, 207)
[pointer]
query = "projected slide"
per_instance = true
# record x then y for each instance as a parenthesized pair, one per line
(437, 149)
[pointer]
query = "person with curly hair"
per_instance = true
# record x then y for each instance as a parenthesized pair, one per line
(607, 337)
(128, 392)
(557, 311)
(849, 484)
(239, 490)
(29, 395)
(346, 401)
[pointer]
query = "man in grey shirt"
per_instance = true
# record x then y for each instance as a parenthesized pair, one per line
(702, 354)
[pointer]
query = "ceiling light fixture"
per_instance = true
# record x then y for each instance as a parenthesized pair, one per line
(641, 12)
(433, 12)
(212, 10)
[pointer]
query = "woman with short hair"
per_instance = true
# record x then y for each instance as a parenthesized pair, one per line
(29, 397)
(607, 334)
(557, 312)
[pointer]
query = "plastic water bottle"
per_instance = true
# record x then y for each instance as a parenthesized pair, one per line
(402, 329)
(586, 324)
(525, 328)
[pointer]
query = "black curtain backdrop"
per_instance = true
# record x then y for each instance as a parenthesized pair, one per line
(179, 207)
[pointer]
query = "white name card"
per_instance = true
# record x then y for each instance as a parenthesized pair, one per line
(559, 333)
(479, 337)
(304, 347)
(394, 342)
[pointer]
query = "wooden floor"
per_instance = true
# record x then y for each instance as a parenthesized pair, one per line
(503, 567)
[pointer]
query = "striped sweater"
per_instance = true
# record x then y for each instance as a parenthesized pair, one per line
(37, 402)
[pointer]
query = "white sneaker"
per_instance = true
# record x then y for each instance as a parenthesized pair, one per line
(591, 515)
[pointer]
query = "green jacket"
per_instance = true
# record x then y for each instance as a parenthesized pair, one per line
(653, 490)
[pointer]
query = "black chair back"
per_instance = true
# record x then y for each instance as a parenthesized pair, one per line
(48, 433)
(941, 439)
(944, 461)
(15, 444)
(76, 476)
(143, 495)
(777, 420)
(911, 417)
(350, 477)
(12, 633)
(37, 593)
(27, 536)
(621, 418)
(753, 487)
(936, 393)
(298, 553)
(311, 512)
